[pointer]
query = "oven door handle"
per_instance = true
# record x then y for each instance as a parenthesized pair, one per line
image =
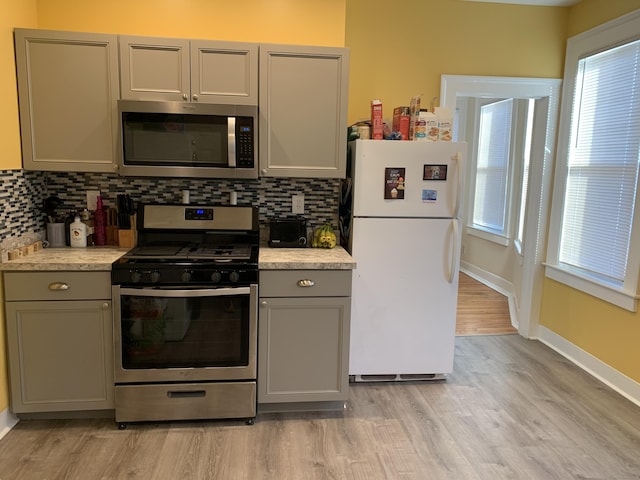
(197, 292)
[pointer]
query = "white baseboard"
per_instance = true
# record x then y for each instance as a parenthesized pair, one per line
(619, 382)
(7, 421)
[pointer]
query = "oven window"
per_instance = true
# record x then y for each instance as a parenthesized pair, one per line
(174, 139)
(168, 332)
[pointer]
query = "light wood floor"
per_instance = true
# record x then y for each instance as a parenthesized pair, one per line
(512, 409)
(481, 310)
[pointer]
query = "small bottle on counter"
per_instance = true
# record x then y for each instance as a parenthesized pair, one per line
(99, 228)
(78, 233)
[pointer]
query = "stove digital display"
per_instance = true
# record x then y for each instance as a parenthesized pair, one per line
(198, 213)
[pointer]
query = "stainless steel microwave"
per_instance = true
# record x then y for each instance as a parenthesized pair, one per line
(176, 139)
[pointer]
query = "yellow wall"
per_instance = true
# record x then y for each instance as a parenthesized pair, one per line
(14, 14)
(277, 21)
(400, 49)
(607, 332)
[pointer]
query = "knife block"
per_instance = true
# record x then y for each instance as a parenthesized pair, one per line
(128, 238)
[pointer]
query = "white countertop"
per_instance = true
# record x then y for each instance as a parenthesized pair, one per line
(101, 258)
(66, 258)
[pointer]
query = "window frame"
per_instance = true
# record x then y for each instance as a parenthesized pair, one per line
(602, 38)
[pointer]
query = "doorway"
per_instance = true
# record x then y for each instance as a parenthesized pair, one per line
(520, 268)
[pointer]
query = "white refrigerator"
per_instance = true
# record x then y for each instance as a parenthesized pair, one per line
(405, 237)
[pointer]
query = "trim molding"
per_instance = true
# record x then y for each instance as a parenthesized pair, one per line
(619, 382)
(7, 421)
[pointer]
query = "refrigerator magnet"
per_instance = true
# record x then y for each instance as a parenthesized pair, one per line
(394, 183)
(434, 172)
(429, 196)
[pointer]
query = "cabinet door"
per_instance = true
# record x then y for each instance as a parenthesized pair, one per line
(154, 68)
(60, 355)
(68, 92)
(224, 72)
(303, 349)
(303, 111)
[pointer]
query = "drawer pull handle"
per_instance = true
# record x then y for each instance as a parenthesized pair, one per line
(58, 286)
(306, 283)
(187, 394)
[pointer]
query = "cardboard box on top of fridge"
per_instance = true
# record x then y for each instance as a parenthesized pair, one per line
(414, 113)
(429, 121)
(445, 123)
(377, 129)
(401, 119)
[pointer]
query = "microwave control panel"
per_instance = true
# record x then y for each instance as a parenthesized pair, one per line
(244, 142)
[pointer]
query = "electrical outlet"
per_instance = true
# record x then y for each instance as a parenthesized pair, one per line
(92, 199)
(297, 204)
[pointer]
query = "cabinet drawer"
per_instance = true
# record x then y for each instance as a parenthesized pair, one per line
(23, 286)
(305, 283)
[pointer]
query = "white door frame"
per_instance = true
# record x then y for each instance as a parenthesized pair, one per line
(546, 91)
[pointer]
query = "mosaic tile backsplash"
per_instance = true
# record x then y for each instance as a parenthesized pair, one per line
(22, 194)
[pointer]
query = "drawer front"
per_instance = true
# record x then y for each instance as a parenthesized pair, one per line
(305, 283)
(24, 286)
(185, 401)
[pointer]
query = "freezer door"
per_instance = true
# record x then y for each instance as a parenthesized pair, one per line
(404, 297)
(427, 178)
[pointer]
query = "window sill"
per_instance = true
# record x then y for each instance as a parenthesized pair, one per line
(592, 286)
(487, 235)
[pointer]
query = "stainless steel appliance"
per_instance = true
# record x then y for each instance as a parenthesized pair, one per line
(176, 139)
(185, 302)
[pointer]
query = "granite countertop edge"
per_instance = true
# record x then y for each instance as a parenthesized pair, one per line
(101, 258)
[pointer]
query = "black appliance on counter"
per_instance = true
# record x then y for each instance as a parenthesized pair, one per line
(185, 302)
(288, 233)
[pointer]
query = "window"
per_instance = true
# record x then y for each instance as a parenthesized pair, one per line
(524, 176)
(592, 243)
(490, 203)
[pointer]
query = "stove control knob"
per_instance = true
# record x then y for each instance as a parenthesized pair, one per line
(234, 277)
(155, 276)
(216, 277)
(186, 276)
(135, 276)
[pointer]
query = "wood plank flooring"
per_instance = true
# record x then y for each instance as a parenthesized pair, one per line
(512, 409)
(481, 310)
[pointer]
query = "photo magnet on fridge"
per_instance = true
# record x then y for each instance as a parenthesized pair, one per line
(394, 183)
(434, 172)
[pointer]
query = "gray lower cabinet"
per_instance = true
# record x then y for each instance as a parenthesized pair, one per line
(303, 338)
(60, 341)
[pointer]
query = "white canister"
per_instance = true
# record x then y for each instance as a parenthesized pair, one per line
(78, 233)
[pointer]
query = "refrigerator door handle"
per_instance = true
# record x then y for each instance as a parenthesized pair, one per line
(456, 210)
(454, 256)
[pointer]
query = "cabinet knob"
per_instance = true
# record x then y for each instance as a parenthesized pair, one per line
(195, 98)
(263, 303)
(58, 286)
(306, 283)
(263, 171)
(185, 96)
(105, 306)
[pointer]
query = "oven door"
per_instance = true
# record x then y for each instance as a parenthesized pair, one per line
(176, 335)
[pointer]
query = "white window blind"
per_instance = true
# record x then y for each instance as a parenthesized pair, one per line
(602, 168)
(492, 170)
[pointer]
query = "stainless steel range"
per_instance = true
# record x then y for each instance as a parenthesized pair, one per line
(186, 315)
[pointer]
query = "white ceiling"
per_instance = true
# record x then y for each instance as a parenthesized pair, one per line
(546, 3)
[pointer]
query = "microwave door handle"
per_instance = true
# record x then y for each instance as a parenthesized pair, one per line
(231, 141)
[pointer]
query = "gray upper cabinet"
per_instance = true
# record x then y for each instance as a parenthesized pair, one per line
(68, 91)
(303, 111)
(184, 70)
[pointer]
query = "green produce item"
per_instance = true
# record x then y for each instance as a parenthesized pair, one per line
(324, 237)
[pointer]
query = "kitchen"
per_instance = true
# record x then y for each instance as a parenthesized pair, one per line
(375, 63)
